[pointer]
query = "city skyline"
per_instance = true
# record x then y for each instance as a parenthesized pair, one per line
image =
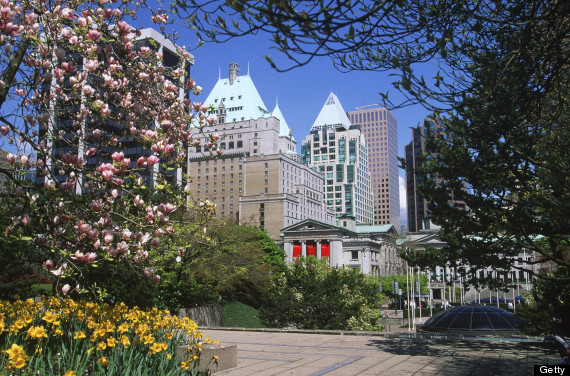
(299, 92)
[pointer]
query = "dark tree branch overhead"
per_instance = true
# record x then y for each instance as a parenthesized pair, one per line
(388, 35)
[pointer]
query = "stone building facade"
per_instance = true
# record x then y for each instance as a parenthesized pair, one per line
(372, 249)
(257, 177)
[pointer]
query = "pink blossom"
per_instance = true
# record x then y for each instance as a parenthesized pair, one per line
(88, 90)
(67, 13)
(166, 125)
(48, 265)
(107, 236)
(122, 247)
(84, 227)
(107, 175)
(11, 158)
(156, 278)
(4, 130)
(94, 35)
(25, 220)
(65, 289)
(90, 257)
(91, 65)
(153, 159)
(105, 111)
(93, 234)
(117, 157)
(95, 205)
(141, 161)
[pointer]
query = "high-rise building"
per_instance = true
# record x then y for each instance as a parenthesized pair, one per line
(258, 177)
(380, 129)
(64, 119)
(418, 216)
(338, 150)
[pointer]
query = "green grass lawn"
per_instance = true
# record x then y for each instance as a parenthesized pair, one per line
(239, 315)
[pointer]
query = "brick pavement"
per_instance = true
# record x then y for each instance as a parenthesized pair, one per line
(309, 354)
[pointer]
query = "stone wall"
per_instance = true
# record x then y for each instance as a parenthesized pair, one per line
(210, 315)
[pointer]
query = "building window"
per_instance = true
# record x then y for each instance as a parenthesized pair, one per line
(354, 255)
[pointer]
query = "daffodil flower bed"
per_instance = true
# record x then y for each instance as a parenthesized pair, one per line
(64, 337)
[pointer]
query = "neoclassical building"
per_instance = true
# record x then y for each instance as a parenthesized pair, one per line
(372, 249)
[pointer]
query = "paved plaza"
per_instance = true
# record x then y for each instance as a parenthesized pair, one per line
(300, 354)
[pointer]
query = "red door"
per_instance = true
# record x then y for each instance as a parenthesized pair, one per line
(325, 249)
(296, 250)
(311, 250)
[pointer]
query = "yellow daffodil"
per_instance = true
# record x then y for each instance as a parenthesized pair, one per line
(79, 335)
(125, 341)
(69, 373)
(103, 360)
(111, 342)
(124, 327)
(49, 317)
(37, 332)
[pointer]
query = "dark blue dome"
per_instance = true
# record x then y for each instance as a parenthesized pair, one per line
(473, 319)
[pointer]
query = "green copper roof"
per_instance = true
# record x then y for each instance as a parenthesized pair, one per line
(363, 229)
(240, 98)
(284, 128)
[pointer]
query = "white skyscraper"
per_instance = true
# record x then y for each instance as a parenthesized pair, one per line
(338, 150)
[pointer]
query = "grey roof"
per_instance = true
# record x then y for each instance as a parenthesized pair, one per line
(332, 115)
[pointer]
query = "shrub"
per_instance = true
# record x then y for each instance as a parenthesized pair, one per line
(63, 337)
(310, 295)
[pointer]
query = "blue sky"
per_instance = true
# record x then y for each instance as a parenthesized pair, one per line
(303, 91)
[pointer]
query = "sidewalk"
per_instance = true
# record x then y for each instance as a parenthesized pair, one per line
(300, 354)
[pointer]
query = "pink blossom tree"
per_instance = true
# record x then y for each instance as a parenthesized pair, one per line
(79, 88)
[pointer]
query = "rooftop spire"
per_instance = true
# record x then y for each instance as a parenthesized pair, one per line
(234, 69)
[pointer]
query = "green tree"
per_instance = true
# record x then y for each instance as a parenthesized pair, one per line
(311, 295)
(505, 151)
(547, 306)
(223, 260)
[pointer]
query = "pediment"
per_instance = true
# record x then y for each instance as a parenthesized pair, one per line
(310, 226)
(427, 239)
